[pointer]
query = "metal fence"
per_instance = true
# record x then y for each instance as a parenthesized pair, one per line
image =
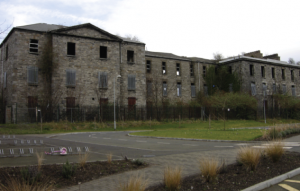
(124, 113)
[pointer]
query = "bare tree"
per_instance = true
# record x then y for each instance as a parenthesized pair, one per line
(132, 38)
(292, 61)
(3, 29)
(218, 56)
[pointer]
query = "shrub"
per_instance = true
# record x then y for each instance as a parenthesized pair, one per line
(135, 183)
(68, 170)
(249, 157)
(274, 150)
(172, 178)
(30, 174)
(138, 162)
(209, 168)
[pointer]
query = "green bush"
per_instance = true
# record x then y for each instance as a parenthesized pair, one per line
(68, 170)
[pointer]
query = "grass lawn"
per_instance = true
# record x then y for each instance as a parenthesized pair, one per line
(185, 128)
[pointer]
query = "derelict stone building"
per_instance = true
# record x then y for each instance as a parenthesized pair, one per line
(90, 62)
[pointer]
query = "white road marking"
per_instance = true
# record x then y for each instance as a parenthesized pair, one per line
(223, 146)
(95, 137)
(93, 134)
(287, 187)
(142, 141)
(295, 181)
(242, 144)
(122, 139)
(189, 145)
(263, 147)
(162, 143)
(106, 138)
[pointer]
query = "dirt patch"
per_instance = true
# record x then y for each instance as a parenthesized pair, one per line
(236, 177)
(91, 171)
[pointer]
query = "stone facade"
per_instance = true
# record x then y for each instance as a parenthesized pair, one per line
(124, 58)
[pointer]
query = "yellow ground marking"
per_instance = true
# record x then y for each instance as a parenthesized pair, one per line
(296, 181)
(287, 187)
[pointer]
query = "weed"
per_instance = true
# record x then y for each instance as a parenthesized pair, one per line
(274, 150)
(249, 157)
(135, 183)
(83, 158)
(68, 170)
(13, 184)
(172, 178)
(109, 158)
(209, 168)
(40, 157)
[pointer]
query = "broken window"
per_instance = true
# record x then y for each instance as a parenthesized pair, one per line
(178, 69)
(273, 73)
(191, 70)
(131, 82)
(149, 88)
(193, 90)
(102, 78)
(165, 92)
(205, 90)
(4, 80)
(32, 75)
(263, 71)
(264, 89)
(34, 46)
(6, 53)
(204, 71)
(274, 88)
(283, 88)
(292, 75)
(103, 52)
(130, 56)
(71, 49)
(70, 78)
(229, 69)
(164, 68)
(179, 89)
(293, 91)
(251, 70)
(283, 74)
(253, 89)
(148, 66)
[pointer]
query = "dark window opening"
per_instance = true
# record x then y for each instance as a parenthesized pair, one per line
(130, 56)
(229, 69)
(293, 91)
(32, 104)
(273, 73)
(283, 74)
(148, 66)
(6, 53)
(191, 70)
(165, 91)
(292, 75)
(263, 71)
(251, 70)
(149, 88)
(204, 71)
(216, 70)
(71, 49)
(178, 69)
(103, 52)
(193, 90)
(164, 69)
(34, 46)
(178, 89)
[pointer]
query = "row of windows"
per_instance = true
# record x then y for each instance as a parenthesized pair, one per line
(164, 68)
(263, 73)
(274, 89)
(165, 89)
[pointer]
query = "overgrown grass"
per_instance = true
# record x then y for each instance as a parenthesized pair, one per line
(40, 157)
(109, 158)
(83, 158)
(172, 178)
(280, 131)
(209, 168)
(249, 157)
(13, 184)
(274, 150)
(135, 183)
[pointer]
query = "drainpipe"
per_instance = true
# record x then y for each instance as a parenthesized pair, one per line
(199, 76)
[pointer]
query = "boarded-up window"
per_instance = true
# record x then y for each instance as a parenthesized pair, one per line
(283, 88)
(103, 52)
(32, 75)
(165, 90)
(178, 89)
(71, 49)
(293, 91)
(193, 90)
(130, 56)
(102, 79)
(32, 102)
(34, 46)
(70, 102)
(103, 101)
(70, 78)
(253, 89)
(264, 88)
(131, 82)
(131, 102)
(149, 88)
(4, 80)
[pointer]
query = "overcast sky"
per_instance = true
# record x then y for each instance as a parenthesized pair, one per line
(186, 28)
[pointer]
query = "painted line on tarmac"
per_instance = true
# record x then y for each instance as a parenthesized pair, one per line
(287, 187)
(189, 145)
(106, 138)
(242, 144)
(142, 141)
(104, 154)
(263, 147)
(295, 181)
(163, 143)
(223, 146)
(122, 139)
(95, 137)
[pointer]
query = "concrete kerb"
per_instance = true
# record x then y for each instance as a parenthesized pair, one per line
(273, 181)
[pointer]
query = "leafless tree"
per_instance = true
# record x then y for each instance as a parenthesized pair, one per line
(218, 56)
(292, 61)
(5, 28)
(132, 38)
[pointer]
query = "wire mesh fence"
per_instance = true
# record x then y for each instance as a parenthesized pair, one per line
(106, 113)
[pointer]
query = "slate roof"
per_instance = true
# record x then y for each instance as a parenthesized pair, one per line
(42, 27)
(165, 55)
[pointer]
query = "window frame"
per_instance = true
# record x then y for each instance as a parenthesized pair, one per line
(32, 75)
(204, 71)
(131, 80)
(149, 88)
(292, 76)
(283, 74)
(251, 68)
(148, 69)
(102, 80)
(178, 89)
(130, 54)
(32, 47)
(164, 68)
(69, 51)
(192, 70)
(178, 71)
(284, 90)
(293, 90)
(6, 52)
(165, 88)
(264, 89)
(253, 89)
(70, 73)
(193, 90)
(263, 73)
(273, 72)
